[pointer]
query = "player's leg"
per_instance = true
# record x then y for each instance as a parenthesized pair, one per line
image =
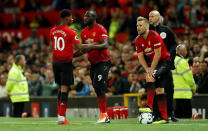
(66, 79)
(160, 75)
(162, 103)
(59, 99)
(58, 81)
(100, 82)
(150, 85)
(169, 90)
(63, 105)
(156, 112)
(150, 94)
(169, 94)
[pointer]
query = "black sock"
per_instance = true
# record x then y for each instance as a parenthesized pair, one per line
(64, 97)
(59, 95)
(161, 97)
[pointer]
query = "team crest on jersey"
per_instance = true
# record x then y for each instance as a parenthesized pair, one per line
(94, 34)
(163, 35)
(88, 41)
(147, 50)
(149, 43)
(142, 45)
(76, 38)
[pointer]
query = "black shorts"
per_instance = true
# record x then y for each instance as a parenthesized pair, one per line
(162, 74)
(63, 73)
(99, 76)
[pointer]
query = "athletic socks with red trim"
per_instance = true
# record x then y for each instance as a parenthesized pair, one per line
(102, 103)
(150, 97)
(162, 104)
(63, 104)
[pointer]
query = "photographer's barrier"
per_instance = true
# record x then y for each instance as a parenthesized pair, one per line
(78, 106)
(86, 106)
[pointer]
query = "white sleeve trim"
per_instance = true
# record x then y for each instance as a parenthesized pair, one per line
(157, 44)
(104, 35)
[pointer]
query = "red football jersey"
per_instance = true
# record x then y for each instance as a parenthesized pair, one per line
(94, 36)
(152, 42)
(63, 40)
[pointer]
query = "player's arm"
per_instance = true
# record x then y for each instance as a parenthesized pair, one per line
(156, 58)
(102, 45)
(103, 37)
(142, 61)
(80, 49)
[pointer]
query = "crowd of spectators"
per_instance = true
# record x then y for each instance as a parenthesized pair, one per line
(125, 76)
(176, 13)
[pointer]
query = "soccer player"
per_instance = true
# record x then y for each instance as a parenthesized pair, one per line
(96, 34)
(151, 44)
(64, 40)
(169, 39)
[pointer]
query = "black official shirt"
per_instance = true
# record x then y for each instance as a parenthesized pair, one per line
(169, 39)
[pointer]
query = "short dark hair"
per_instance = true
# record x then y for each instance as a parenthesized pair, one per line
(92, 12)
(65, 13)
(18, 58)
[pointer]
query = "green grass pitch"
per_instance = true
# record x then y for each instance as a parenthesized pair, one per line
(86, 124)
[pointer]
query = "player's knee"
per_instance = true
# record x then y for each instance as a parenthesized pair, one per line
(150, 85)
(159, 91)
(64, 88)
(161, 96)
(99, 91)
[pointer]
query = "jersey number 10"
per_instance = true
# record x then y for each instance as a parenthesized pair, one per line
(57, 43)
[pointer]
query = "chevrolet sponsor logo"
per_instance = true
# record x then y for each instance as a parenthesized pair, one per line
(147, 50)
(89, 41)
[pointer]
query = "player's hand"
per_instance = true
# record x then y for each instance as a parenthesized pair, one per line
(150, 71)
(149, 78)
(87, 47)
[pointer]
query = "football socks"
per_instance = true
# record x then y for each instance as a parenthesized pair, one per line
(102, 103)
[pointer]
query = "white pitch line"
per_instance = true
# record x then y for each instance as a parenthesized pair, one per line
(35, 123)
(84, 121)
(32, 123)
(197, 124)
(90, 122)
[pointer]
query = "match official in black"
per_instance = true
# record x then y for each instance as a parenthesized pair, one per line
(169, 39)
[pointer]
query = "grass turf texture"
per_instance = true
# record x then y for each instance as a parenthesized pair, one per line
(86, 124)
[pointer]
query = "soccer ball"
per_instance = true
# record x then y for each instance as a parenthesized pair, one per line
(145, 118)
